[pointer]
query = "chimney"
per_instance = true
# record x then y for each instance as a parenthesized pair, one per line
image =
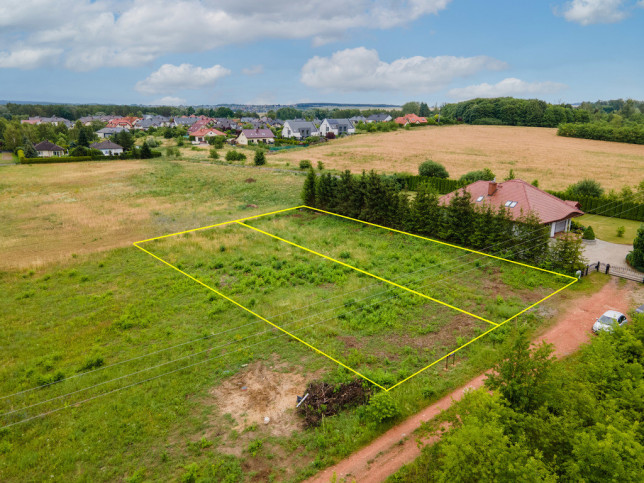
(491, 188)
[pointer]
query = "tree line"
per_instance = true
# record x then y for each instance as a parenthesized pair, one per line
(376, 199)
(570, 420)
(513, 112)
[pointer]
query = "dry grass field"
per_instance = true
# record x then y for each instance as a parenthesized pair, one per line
(52, 212)
(531, 152)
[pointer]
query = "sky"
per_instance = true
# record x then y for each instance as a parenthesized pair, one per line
(194, 52)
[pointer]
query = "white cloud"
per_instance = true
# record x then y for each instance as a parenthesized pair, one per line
(171, 78)
(587, 12)
(253, 70)
(29, 58)
(169, 101)
(361, 69)
(507, 87)
(100, 33)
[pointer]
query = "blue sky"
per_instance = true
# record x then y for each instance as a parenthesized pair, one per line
(363, 51)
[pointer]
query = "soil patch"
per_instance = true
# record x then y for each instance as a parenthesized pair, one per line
(260, 392)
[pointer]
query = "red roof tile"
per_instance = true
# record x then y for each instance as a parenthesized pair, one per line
(528, 198)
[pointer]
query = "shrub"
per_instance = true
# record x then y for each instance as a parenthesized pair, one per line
(320, 165)
(180, 141)
(305, 164)
(585, 187)
(152, 142)
(381, 407)
(432, 169)
(620, 231)
(260, 158)
(235, 156)
(484, 174)
(213, 154)
(589, 233)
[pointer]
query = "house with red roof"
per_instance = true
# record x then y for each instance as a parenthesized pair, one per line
(520, 198)
(410, 119)
(200, 135)
(126, 122)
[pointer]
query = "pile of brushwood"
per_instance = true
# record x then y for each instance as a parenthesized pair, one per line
(326, 399)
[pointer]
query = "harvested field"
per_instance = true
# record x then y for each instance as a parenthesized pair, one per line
(532, 152)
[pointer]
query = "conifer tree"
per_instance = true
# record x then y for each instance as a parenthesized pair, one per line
(308, 192)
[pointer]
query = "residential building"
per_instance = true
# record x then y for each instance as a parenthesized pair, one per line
(520, 198)
(356, 119)
(128, 122)
(410, 119)
(108, 148)
(256, 136)
(47, 149)
(338, 127)
(299, 129)
(201, 136)
(107, 132)
(379, 118)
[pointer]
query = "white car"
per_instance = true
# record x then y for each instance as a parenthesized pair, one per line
(608, 321)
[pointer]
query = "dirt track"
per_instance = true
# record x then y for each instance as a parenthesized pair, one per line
(389, 452)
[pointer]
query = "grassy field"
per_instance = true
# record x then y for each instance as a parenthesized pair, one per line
(132, 371)
(533, 153)
(605, 228)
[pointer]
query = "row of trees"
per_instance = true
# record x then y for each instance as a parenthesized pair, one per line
(571, 420)
(513, 112)
(604, 131)
(375, 199)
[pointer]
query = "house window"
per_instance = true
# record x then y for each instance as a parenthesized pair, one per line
(513, 204)
(480, 198)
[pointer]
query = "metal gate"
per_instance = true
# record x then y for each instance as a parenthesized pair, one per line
(621, 272)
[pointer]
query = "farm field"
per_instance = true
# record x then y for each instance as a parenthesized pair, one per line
(532, 152)
(133, 351)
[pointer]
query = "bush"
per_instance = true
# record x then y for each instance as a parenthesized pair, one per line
(235, 156)
(260, 158)
(484, 174)
(589, 233)
(320, 165)
(213, 154)
(432, 169)
(585, 187)
(381, 407)
(305, 164)
(620, 231)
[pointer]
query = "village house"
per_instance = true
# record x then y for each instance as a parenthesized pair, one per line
(108, 148)
(520, 198)
(108, 132)
(357, 119)
(299, 129)
(202, 134)
(410, 119)
(379, 118)
(256, 136)
(127, 122)
(47, 149)
(338, 127)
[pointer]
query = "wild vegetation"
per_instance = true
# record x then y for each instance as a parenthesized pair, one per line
(547, 420)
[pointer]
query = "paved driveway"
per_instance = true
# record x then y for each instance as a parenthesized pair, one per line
(606, 252)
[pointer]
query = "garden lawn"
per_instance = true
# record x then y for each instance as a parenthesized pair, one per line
(605, 228)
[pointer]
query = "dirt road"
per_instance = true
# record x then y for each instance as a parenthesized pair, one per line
(385, 455)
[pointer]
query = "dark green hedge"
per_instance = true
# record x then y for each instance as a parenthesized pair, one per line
(606, 206)
(602, 131)
(75, 159)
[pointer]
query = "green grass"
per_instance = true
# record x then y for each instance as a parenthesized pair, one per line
(605, 228)
(99, 309)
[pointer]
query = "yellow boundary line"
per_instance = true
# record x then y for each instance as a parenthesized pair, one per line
(258, 316)
(239, 222)
(370, 274)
